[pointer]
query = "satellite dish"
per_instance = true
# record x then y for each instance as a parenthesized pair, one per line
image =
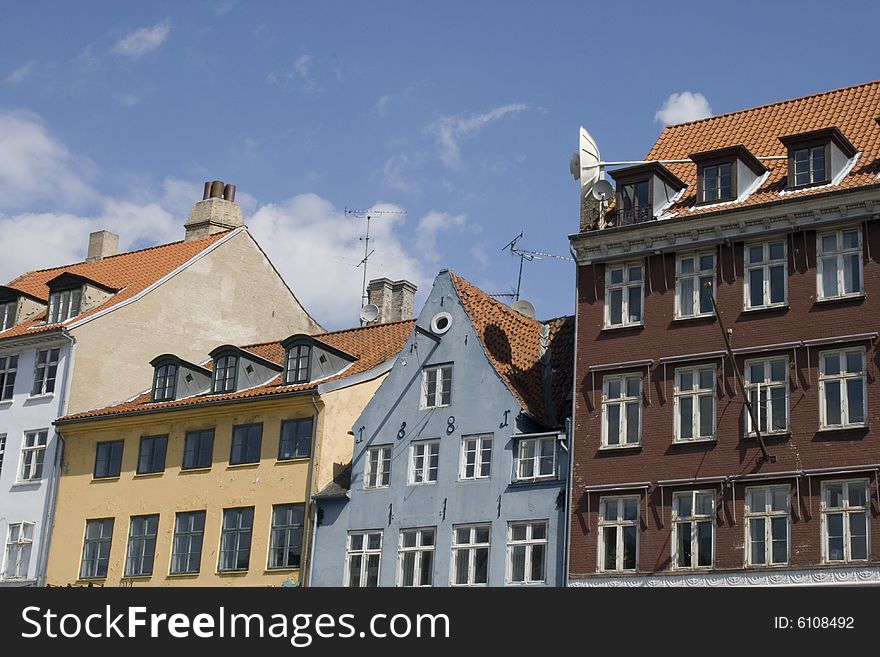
(524, 308)
(370, 313)
(602, 190)
(589, 161)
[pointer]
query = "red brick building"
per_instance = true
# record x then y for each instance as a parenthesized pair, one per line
(776, 208)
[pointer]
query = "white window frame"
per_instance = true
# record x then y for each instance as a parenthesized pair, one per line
(471, 547)
(623, 401)
(842, 377)
(847, 511)
(64, 304)
(698, 277)
(624, 286)
(768, 385)
(364, 552)
(529, 543)
(840, 254)
(137, 551)
(765, 265)
(694, 519)
(8, 375)
(480, 447)
(8, 311)
(695, 393)
(619, 524)
(381, 472)
(23, 545)
(418, 550)
(767, 515)
(27, 472)
(43, 373)
(535, 459)
(437, 372)
(421, 454)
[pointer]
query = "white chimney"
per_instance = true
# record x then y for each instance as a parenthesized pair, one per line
(102, 243)
(215, 213)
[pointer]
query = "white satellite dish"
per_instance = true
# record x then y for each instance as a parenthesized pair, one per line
(590, 163)
(524, 308)
(602, 190)
(370, 313)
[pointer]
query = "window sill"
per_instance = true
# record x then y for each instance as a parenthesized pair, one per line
(624, 326)
(434, 408)
(696, 441)
(769, 434)
(207, 468)
(25, 484)
(6, 403)
(421, 483)
(294, 459)
(232, 573)
(182, 575)
(45, 395)
(100, 479)
(376, 487)
(616, 448)
(136, 578)
(536, 480)
(91, 580)
(847, 297)
(147, 475)
(281, 569)
(775, 306)
(239, 466)
(472, 480)
(849, 427)
(694, 318)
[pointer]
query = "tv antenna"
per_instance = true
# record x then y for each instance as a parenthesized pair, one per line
(525, 254)
(368, 214)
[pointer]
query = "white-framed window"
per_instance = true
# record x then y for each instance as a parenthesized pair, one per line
(619, 533)
(96, 548)
(839, 263)
(63, 305)
(236, 536)
(622, 410)
(225, 374)
(527, 552)
(842, 399)
(377, 473)
(424, 462)
(692, 272)
(535, 458)
(767, 385)
(437, 386)
(19, 541)
(415, 555)
(693, 529)
(8, 370)
(766, 283)
(7, 314)
(141, 545)
(470, 555)
(285, 547)
(476, 457)
(624, 294)
(845, 521)
(694, 403)
(767, 513)
(33, 452)
(45, 371)
(362, 557)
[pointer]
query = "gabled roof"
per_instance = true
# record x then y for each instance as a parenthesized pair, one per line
(371, 345)
(130, 273)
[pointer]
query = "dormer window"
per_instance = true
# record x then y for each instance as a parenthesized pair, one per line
(165, 382)
(636, 205)
(643, 193)
(225, 368)
(7, 314)
(63, 305)
(817, 157)
(809, 166)
(726, 174)
(717, 182)
(296, 368)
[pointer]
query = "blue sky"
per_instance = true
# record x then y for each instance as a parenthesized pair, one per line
(463, 114)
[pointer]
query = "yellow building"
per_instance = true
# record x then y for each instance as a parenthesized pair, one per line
(206, 479)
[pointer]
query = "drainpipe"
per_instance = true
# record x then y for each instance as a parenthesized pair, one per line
(568, 491)
(313, 507)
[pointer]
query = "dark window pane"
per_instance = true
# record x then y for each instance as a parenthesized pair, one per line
(296, 439)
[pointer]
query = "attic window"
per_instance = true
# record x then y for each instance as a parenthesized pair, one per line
(7, 314)
(63, 305)
(716, 182)
(726, 174)
(165, 382)
(809, 165)
(644, 192)
(817, 157)
(635, 206)
(225, 368)
(296, 369)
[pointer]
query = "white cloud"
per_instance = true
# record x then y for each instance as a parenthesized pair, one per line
(381, 105)
(302, 69)
(21, 72)
(145, 40)
(224, 7)
(432, 224)
(683, 107)
(450, 130)
(394, 174)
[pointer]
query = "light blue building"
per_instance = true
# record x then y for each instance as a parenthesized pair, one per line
(461, 459)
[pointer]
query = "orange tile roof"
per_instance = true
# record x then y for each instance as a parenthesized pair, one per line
(852, 110)
(371, 345)
(130, 273)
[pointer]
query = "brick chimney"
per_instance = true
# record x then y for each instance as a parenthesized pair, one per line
(102, 243)
(393, 298)
(215, 213)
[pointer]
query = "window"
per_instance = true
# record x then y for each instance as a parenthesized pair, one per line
(235, 539)
(415, 556)
(424, 462)
(8, 368)
(63, 305)
(693, 517)
(842, 400)
(845, 521)
(19, 540)
(526, 552)
(622, 411)
(767, 513)
(476, 457)
(2, 449)
(165, 382)
(717, 183)
(33, 452)
(296, 439)
(693, 271)
(378, 470)
(296, 369)
(635, 203)
(7, 314)
(224, 374)
(141, 546)
(618, 534)
(839, 260)
(536, 458)
(285, 550)
(436, 386)
(470, 555)
(767, 385)
(363, 553)
(694, 404)
(766, 276)
(809, 165)
(624, 289)
(96, 548)
(198, 451)
(246, 442)
(44, 372)
(186, 551)
(151, 457)
(108, 459)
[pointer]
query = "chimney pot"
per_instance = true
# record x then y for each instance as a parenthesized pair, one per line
(215, 213)
(216, 189)
(393, 298)
(102, 243)
(229, 192)
(207, 193)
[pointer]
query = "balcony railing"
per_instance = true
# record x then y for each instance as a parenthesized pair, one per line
(635, 215)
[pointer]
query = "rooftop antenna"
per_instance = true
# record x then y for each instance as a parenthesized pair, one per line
(525, 254)
(367, 214)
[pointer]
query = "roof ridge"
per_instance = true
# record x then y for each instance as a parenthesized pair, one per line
(502, 306)
(318, 336)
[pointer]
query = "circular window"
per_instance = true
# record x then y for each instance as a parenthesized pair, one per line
(441, 323)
